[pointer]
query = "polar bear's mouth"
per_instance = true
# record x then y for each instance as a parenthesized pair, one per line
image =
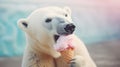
(56, 37)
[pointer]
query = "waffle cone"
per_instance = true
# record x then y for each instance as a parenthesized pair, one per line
(67, 54)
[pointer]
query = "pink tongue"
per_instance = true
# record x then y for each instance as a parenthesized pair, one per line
(64, 42)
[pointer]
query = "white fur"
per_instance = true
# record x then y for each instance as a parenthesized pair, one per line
(40, 40)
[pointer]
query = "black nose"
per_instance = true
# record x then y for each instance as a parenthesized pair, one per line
(70, 28)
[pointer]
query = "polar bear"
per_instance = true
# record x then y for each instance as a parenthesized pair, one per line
(43, 27)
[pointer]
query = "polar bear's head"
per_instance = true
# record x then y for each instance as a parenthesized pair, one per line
(48, 21)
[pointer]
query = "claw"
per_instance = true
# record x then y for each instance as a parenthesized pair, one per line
(72, 64)
(72, 60)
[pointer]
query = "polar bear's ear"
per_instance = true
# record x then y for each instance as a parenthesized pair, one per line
(23, 24)
(68, 10)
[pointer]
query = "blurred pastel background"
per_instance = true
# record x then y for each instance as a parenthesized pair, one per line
(97, 21)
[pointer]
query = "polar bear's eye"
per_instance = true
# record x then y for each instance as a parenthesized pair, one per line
(66, 15)
(48, 20)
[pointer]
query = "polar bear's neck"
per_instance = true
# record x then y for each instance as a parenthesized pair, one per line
(36, 51)
(36, 45)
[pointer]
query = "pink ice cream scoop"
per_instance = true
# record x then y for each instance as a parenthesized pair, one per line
(65, 42)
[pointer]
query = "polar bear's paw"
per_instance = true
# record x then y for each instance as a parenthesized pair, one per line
(56, 55)
(77, 61)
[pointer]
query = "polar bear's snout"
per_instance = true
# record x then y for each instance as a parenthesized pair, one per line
(65, 28)
(70, 28)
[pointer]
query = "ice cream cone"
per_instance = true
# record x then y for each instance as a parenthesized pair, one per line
(67, 54)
